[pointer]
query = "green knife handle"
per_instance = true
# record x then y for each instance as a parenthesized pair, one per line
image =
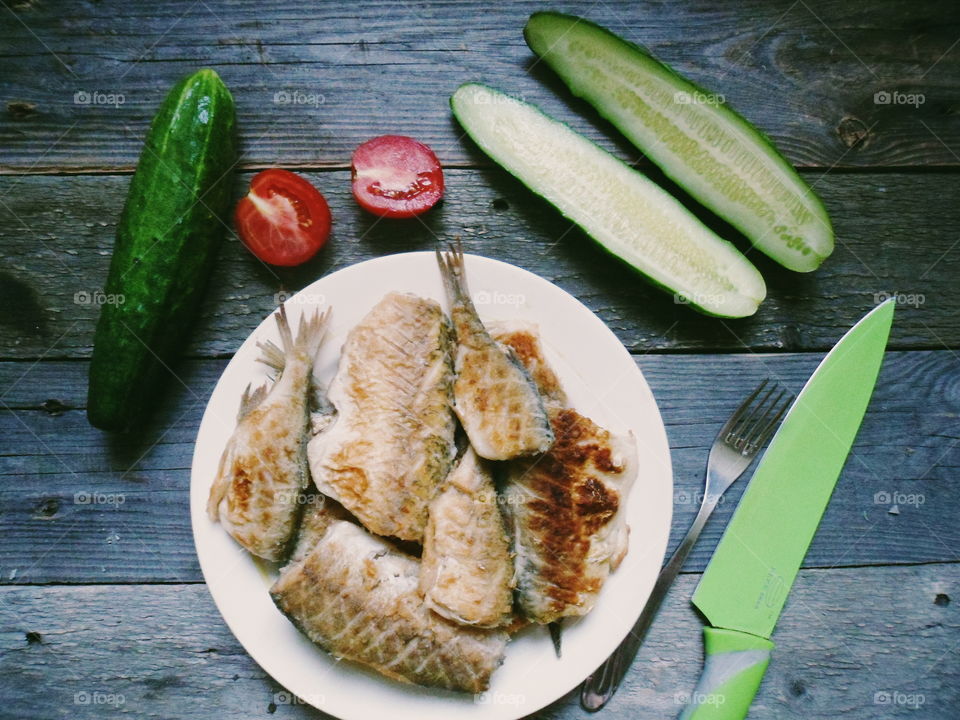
(732, 670)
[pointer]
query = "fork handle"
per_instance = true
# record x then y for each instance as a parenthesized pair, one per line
(603, 683)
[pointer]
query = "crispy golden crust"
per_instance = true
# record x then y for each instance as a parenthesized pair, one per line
(467, 570)
(257, 489)
(319, 513)
(565, 517)
(261, 503)
(526, 345)
(356, 596)
(571, 505)
(495, 398)
(391, 443)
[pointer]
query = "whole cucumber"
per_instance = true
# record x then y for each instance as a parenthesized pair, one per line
(167, 241)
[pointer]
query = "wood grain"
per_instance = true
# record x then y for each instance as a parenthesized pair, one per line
(895, 235)
(87, 518)
(841, 651)
(805, 74)
(81, 506)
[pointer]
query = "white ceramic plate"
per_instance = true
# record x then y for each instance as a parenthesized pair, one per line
(601, 380)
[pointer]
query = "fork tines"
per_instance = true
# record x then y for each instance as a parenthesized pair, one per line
(755, 420)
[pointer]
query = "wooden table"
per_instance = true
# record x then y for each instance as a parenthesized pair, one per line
(102, 599)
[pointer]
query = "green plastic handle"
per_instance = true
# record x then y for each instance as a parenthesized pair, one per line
(732, 671)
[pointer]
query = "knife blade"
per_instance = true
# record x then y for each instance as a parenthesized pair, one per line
(748, 578)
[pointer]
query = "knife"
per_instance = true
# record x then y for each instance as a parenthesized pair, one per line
(746, 583)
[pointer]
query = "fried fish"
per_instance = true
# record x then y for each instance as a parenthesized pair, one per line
(566, 516)
(523, 339)
(356, 596)
(495, 398)
(319, 513)
(322, 413)
(566, 508)
(263, 469)
(391, 441)
(467, 573)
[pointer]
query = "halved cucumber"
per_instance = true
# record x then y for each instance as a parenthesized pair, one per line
(707, 148)
(617, 206)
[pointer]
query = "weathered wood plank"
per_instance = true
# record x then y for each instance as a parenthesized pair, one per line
(83, 506)
(806, 75)
(847, 641)
(895, 234)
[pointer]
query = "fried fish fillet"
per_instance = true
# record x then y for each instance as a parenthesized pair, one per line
(523, 339)
(566, 516)
(565, 508)
(495, 398)
(390, 443)
(356, 596)
(467, 573)
(319, 513)
(263, 469)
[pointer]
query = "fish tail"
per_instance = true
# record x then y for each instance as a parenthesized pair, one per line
(452, 272)
(271, 355)
(221, 483)
(249, 400)
(310, 333)
(283, 325)
(273, 358)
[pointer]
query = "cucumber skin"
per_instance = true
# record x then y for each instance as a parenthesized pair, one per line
(769, 147)
(166, 244)
(609, 251)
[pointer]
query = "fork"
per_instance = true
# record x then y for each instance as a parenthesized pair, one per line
(737, 443)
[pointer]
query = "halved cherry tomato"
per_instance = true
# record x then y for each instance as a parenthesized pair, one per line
(283, 220)
(395, 176)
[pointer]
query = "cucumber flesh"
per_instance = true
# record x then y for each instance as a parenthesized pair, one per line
(620, 208)
(694, 137)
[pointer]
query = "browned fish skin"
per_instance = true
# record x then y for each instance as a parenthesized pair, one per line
(256, 494)
(566, 516)
(356, 596)
(494, 396)
(390, 444)
(467, 570)
(319, 513)
(524, 340)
